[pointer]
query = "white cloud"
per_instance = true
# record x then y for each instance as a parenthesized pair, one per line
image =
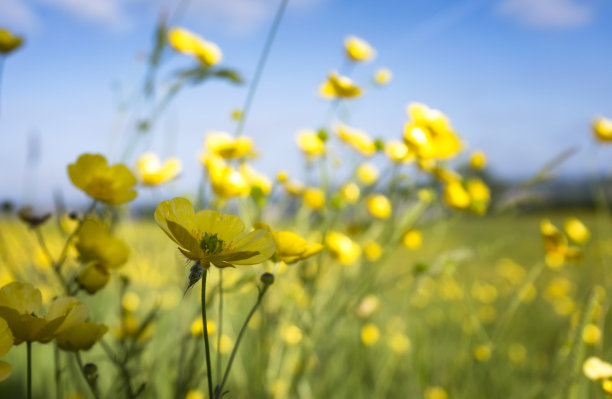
(17, 15)
(548, 13)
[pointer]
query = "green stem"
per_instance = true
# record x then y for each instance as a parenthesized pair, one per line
(90, 382)
(220, 323)
(62, 258)
(260, 66)
(29, 380)
(204, 327)
(58, 372)
(219, 388)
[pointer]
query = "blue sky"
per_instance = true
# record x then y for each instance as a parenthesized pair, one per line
(521, 79)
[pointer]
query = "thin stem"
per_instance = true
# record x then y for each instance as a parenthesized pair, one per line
(62, 258)
(29, 380)
(90, 382)
(260, 66)
(57, 372)
(220, 323)
(1, 69)
(219, 388)
(206, 345)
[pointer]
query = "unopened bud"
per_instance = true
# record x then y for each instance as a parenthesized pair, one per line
(267, 278)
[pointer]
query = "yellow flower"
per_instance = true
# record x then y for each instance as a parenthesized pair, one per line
(358, 139)
(310, 143)
(591, 334)
(197, 327)
(9, 42)
(194, 394)
(314, 198)
(556, 246)
(226, 182)
(412, 239)
(429, 133)
(478, 160)
(382, 76)
(372, 251)
(282, 176)
(398, 151)
(338, 86)
(228, 147)
(81, 337)
(256, 180)
(291, 248)
(19, 304)
(350, 192)
(602, 127)
(152, 172)
(342, 247)
(399, 343)
(6, 342)
(456, 196)
(212, 237)
(292, 335)
(358, 49)
(596, 369)
(93, 277)
(435, 393)
(187, 42)
(109, 184)
(370, 334)
(379, 206)
(225, 344)
(517, 353)
(95, 243)
(577, 231)
(480, 196)
(367, 174)
(482, 353)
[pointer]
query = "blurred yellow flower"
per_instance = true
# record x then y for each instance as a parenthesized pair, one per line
(130, 301)
(399, 343)
(226, 182)
(290, 247)
(412, 239)
(212, 237)
(81, 336)
(225, 146)
(435, 393)
(358, 49)
(602, 127)
(358, 139)
(19, 305)
(342, 247)
(478, 160)
(9, 42)
(517, 353)
(93, 277)
(109, 184)
(591, 334)
(310, 143)
(197, 327)
(398, 151)
(338, 86)
(556, 246)
(370, 334)
(372, 251)
(187, 42)
(225, 344)
(282, 176)
(482, 353)
(456, 196)
(95, 243)
(383, 76)
(314, 197)
(367, 173)
(429, 133)
(350, 193)
(291, 334)
(577, 231)
(194, 394)
(480, 195)
(368, 305)
(596, 369)
(6, 343)
(255, 179)
(379, 206)
(152, 172)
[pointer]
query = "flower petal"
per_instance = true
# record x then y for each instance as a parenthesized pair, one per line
(226, 226)
(177, 210)
(261, 241)
(5, 370)
(22, 297)
(6, 337)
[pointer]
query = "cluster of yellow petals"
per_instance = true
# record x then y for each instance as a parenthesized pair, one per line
(153, 173)
(342, 247)
(225, 180)
(255, 179)
(357, 139)
(358, 50)
(596, 369)
(186, 42)
(290, 247)
(223, 145)
(383, 76)
(112, 184)
(556, 245)
(398, 151)
(367, 173)
(314, 198)
(473, 194)
(379, 206)
(602, 128)
(9, 42)
(6, 343)
(350, 193)
(310, 143)
(429, 133)
(478, 160)
(338, 86)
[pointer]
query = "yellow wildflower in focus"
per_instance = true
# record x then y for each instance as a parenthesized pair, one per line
(21, 302)
(292, 335)
(195, 394)
(602, 127)
(9, 42)
(358, 50)
(379, 206)
(212, 237)
(81, 337)
(429, 133)
(367, 174)
(310, 143)
(372, 251)
(255, 179)
(342, 247)
(412, 239)
(225, 344)
(478, 160)
(197, 327)
(358, 139)
(480, 196)
(225, 146)
(482, 353)
(186, 42)
(435, 393)
(109, 184)
(153, 173)
(338, 86)
(399, 343)
(350, 193)
(591, 334)
(596, 369)
(517, 353)
(577, 231)
(456, 196)
(383, 76)
(398, 151)
(370, 334)
(6, 343)
(314, 197)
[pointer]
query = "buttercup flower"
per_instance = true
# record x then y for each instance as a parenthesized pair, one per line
(412, 239)
(212, 237)
(382, 76)
(372, 250)
(9, 42)
(310, 143)
(456, 196)
(398, 151)
(556, 246)
(480, 196)
(367, 174)
(81, 337)
(379, 206)
(314, 197)
(342, 247)
(19, 305)
(429, 133)
(109, 184)
(6, 343)
(186, 42)
(602, 128)
(226, 182)
(596, 369)
(350, 192)
(228, 147)
(256, 180)
(358, 139)
(577, 231)
(358, 50)
(338, 86)
(290, 247)
(478, 160)
(153, 173)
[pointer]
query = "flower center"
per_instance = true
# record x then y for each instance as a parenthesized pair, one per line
(211, 244)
